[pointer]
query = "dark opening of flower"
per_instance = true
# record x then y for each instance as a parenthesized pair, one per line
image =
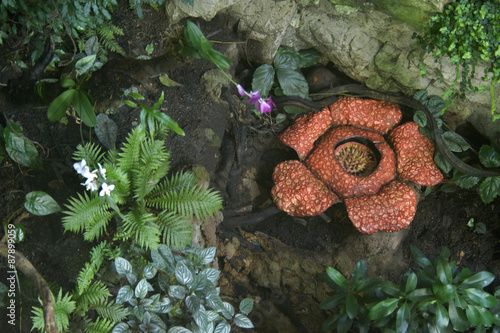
(356, 158)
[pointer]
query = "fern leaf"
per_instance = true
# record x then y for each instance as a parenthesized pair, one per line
(121, 181)
(95, 295)
(95, 229)
(112, 311)
(81, 210)
(38, 319)
(131, 150)
(142, 227)
(177, 231)
(101, 325)
(91, 153)
(177, 182)
(86, 275)
(188, 202)
(63, 307)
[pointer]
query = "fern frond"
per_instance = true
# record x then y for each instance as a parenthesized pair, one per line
(120, 179)
(131, 151)
(111, 311)
(63, 307)
(86, 275)
(188, 202)
(38, 319)
(94, 230)
(177, 182)
(81, 211)
(153, 167)
(95, 295)
(91, 153)
(177, 231)
(101, 325)
(142, 227)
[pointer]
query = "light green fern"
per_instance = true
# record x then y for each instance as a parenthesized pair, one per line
(90, 152)
(63, 307)
(142, 228)
(177, 230)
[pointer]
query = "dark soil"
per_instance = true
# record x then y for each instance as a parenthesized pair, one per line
(235, 148)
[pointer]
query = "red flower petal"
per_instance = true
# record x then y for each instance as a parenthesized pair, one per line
(305, 131)
(414, 154)
(297, 192)
(323, 162)
(391, 209)
(379, 116)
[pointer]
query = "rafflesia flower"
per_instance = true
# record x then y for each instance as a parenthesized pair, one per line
(345, 157)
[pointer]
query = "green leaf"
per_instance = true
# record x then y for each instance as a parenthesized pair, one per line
(287, 59)
(60, 104)
(183, 274)
(457, 317)
(84, 109)
(106, 130)
(383, 309)
(193, 303)
(489, 189)
(443, 271)
(473, 315)
(167, 81)
(402, 317)
(338, 278)
(435, 105)
(293, 83)
(263, 79)
(442, 318)
(149, 271)
(246, 305)
(411, 283)
(441, 163)
(359, 274)
(344, 324)
(455, 142)
(420, 118)
(463, 180)
(420, 258)
(19, 148)
(309, 58)
(444, 293)
(177, 291)
(481, 297)
(124, 295)
(207, 255)
(420, 294)
(421, 96)
(150, 48)
(489, 157)
(351, 306)
(40, 203)
(130, 103)
(67, 82)
(141, 290)
(332, 302)
(222, 327)
(242, 321)
(85, 64)
(122, 266)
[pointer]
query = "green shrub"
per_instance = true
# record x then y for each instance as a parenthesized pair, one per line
(438, 297)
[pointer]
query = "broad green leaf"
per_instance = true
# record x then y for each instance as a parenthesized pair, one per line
(20, 149)
(489, 157)
(207, 255)
(338, 278)
(67, 82)
(330, 323)
(106, 130)
(402, 318)
(421, 96)
(167, 255)
(411, 283)
(420, 258)
(351, 306)
(288, 59)
(211, 274)
(141, 290)
(85, 64)
(332, 302)
(136, 95)
(229, 308)
(473, 315)
(242, 321)
(193, 303)
(183, 274)
(435, 105)
(179, 329)
(246, 305)
(420, 118)
(309, 58)
(293, 83)
(464, 181)
(455, 142)
(359, 274)
(444, 293)
(481, 297)
(149, 271)
(121, 328)
(443, 271)
(383, 309)
(124, 294)
(457, 317)
(263, 79)
(122, 266)
(84, 109)
(486, 319)
(40, 203)
(391, 288)
(489, 189)
(223, 327)
(344, 324)
(177, 292)
(60, 104)
(420, 294)
(478, 280)
(219, 59)
(130, 103)
(442, 318)
(441, 163)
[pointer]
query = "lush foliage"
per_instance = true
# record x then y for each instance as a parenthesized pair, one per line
(438, 297)
(467, 32)
(489, 187)
(147, 205)
(193, 301)
(284, 75)
(17, 146)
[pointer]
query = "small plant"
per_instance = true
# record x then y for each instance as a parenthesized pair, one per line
(489, 187)
(14, 144)
(438, 297)
(177, 293)
(134, 189)
(467, 32)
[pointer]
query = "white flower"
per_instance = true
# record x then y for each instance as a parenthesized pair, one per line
(106, 190)
(90, 185)
(90, 176)
(102, 171)
(81, 167)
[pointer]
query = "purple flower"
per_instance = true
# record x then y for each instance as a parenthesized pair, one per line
(261, 105)
(264, 107)
(254, 97)
(241, 90)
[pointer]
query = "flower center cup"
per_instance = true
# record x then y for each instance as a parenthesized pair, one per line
(356, 158)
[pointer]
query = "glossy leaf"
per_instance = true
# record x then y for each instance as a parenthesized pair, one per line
(444, 293)
(309, 58)
(489, 157)
(246, 305)
(207, 255)
(359, 274)
(443, 271)
(420, 294)
(141, 290)
(458, 317)
(402, 318)
(222, 327)
(420, 258)
(455, 142)
(489, 189)
(383, 309)
(332, 302)
(60, 104)
(149, 271)
(106, 130)
(177, 291)
(124, 294)
(481, 297)
(287, 59)
(40, 203)
(338, 278)
(242, 321)
(193, 303)
(263, 79)
(411, 283)
(85, 64)
(351, 306)
(463, 180)
(473, 315)
(344, 323)
(442, 317)
(84, 109)
(293, 83)
(183, 274)
(478, 280)
(122, 266)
